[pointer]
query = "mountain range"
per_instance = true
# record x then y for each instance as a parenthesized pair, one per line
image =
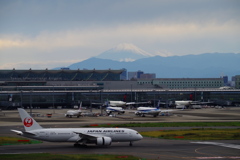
(207, 65)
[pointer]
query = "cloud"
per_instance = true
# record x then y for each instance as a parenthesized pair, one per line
(97, 36)
(155, 38)
(37, 64)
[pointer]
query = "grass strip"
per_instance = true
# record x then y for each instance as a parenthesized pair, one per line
(16, 140)
(172, 124)
(195, 134)
(48, 156)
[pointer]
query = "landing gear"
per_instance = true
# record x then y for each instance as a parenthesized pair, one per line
(79, 145)
(130, 144)
(76, 145)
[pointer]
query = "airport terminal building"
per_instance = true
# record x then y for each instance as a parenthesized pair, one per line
(105, 79)
(66, 88)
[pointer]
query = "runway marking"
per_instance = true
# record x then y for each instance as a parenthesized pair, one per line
(196, 151)
(235, 146)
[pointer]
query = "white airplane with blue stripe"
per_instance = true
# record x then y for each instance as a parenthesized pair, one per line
(142, 111)
(112, 109)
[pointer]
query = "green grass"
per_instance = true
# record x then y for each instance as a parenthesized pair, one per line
(195, 134)
(48, 156)
(16, 140)
(171, 124)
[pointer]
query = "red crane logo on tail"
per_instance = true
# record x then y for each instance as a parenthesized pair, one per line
(28, 122)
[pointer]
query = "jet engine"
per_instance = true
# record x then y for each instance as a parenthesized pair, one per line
(104, 141)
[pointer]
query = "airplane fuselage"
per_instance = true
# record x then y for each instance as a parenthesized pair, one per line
(117, 103)
(141, 111)
(71, 134)
(71, 113)
(119, 110)
(185, 103)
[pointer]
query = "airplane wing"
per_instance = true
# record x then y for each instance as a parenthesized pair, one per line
(21, 133)
(98, 139)
(18, 132)
(130, 103)
(169, 110)
(86, 136)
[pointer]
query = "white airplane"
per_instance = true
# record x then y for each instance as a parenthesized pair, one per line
(71, 113)
(142, 111)
(112, 109)
(115, 106)
(182, 104)
(81, 136)
(122, 103)
(189, 103)
(225, 87)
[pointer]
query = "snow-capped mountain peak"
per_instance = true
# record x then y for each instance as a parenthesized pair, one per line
(124, 52)
(133, 48)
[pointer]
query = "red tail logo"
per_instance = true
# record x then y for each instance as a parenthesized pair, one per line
(28, 122)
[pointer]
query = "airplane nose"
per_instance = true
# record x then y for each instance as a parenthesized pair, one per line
(140, 137)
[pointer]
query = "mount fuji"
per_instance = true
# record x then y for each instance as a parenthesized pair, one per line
(124, 53)
(130, 57)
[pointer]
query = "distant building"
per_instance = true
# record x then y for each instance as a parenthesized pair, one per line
(59, 75)
(225, 80)
(148, 76)
(123, 75)
(182, 83)
(134, 75)
(237, 81)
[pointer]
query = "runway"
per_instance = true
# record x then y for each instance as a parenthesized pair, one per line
(148, 148)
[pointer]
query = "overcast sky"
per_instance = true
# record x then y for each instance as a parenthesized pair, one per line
(41, 34)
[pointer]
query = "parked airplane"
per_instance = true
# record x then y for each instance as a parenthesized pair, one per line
(122, 103)
(111, 109)
(81, 136)
(190, 104)
(183, 104)
(71, 113)
(142, 111)
(226, 87)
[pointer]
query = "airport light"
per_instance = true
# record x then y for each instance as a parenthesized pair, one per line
(131, 92)
(21, 99)
(31, 102)
(53, 100)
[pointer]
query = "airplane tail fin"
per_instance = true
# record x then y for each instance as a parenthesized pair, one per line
(106, 103)
(158, 105)
(80, 107)
(28, 122)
